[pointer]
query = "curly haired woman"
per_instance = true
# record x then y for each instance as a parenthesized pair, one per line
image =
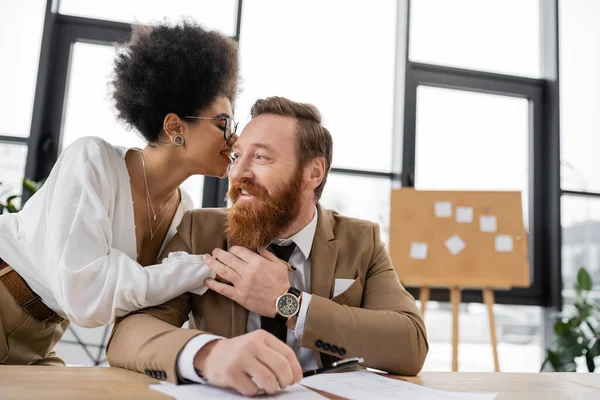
(84, 248)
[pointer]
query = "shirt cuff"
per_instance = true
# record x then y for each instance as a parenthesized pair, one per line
(301, 321)
(185, 360)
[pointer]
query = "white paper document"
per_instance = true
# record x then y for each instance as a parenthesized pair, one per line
(464, 215)
(455, 244)
(367, 385)
(418, 250)
(488, 223)
(504, 243)
(443, 209)
(198, 391)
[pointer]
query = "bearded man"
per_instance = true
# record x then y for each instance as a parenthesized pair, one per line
(262, 323)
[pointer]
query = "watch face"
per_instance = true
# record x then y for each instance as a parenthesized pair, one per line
(287, 305)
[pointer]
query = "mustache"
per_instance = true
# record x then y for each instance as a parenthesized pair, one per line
(255, 189)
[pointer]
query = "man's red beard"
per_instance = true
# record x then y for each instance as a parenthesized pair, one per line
(258, 222)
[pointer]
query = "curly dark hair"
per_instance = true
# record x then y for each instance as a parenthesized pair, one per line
(165, 68)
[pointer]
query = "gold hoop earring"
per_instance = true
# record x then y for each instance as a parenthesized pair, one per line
(178, 140)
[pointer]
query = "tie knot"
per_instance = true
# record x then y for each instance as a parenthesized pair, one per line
(283, 252)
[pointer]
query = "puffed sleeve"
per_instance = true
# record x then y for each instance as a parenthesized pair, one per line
(94, 282)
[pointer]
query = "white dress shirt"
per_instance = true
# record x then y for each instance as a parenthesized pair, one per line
(300, 279)
(74, 242)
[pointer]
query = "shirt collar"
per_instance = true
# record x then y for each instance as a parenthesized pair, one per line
(303, 238)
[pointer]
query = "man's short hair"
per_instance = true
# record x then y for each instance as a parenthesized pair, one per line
(314, 140)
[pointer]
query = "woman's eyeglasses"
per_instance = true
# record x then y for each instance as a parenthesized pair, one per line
(228, 130)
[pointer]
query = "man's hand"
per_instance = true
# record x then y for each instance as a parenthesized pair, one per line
(258, 355)
(257, 279)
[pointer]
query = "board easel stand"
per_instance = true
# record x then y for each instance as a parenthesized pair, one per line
(456, 240)
(488, 299)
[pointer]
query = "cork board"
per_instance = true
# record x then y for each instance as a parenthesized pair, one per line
(458, 238)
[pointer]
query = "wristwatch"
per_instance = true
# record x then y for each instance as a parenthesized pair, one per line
(288, 304)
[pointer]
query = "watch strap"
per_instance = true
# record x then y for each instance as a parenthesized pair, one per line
(280, 318)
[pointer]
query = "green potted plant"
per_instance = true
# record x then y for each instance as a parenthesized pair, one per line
(28, 186)
(577, 331)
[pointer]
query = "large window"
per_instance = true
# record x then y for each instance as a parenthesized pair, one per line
(517, 330)
(500, 36)
(18, 71)
(580, 94)
(345, 65)
(474, 120)
(471, 141)
(89, 109)
(580, 142)
(12, 164)
(462, 102)
(214, 14)
(20, 39)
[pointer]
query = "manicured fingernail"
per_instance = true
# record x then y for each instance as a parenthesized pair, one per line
(205, 257)
(294, 268)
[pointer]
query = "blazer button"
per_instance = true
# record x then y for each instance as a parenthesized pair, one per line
(326, 346)
(335, 349)
(319, 343)
(342, 351)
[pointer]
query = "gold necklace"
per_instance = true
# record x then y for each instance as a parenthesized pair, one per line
(149, 204)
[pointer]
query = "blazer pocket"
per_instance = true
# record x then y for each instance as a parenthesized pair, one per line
(352, 296)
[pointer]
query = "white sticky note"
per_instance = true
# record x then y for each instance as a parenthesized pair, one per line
(488, 223)
(504, 243)
(418, 250)
(443, 209)
(464, 215)
(455, 244)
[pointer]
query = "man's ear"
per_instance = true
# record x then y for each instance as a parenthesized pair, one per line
(314, 172)
(173, 125)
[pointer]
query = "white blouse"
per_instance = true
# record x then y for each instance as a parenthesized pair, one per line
(74, 241)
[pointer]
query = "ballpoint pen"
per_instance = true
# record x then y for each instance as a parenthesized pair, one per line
(345, 363)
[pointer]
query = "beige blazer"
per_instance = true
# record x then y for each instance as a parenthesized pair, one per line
(375, 318)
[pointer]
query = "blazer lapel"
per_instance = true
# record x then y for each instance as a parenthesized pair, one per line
(323, 260)
(323, 256)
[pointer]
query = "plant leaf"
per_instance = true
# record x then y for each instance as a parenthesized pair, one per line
(594, 351)
(31, 186)
(554, 360)
(562, 328)
(589, 360)
(570, 352)
(584, 280)
(28, 185)
(11, 198)
(568, 367)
